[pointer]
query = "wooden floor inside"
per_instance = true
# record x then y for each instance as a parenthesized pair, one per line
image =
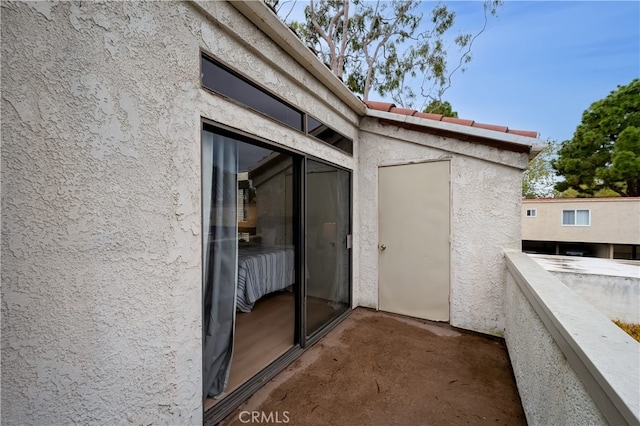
(267, 332)
(262, 335)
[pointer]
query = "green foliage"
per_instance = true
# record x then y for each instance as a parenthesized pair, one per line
(585, 192)
(538, 179)
(377, 46)
(604, 152)
(442, 108)
(605, 193)
(570, 193)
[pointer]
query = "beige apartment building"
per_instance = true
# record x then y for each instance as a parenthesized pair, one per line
(596, 227)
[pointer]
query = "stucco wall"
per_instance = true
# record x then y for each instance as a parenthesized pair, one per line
(100, 242)
(616, 297)
(101, 245)
(101, 256)
(485, 207)
(612, 286)
(550, 391)
(572, 365)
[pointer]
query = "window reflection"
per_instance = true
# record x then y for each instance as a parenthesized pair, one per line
(224, 81)
(326, 134)
(327, 223)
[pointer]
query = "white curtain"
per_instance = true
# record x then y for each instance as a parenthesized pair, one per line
(328, 219)
(220, 250)
(582, 217)
(568, 217)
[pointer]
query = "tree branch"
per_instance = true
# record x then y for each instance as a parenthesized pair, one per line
(345, 29)
(318, 28)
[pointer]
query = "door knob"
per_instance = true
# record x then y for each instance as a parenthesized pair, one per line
(382, 247)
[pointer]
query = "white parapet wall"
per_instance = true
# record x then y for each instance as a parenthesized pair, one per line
(611, 285)
(572, 365)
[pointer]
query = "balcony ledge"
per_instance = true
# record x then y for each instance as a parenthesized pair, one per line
(603, 357)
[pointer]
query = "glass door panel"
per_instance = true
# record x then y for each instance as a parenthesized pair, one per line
(327, 253)
(249, 265)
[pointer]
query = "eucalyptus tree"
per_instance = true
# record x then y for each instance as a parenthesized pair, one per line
(386, 47)
(539, 178)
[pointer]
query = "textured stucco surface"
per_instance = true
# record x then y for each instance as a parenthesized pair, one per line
(550, 391)
(101, 246)
(612, 286)
(100, 239)
(101, 256)
(485, 217)
(615, 297)
(571, 363)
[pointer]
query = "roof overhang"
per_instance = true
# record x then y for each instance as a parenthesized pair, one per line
(268, 22)
(506, 141)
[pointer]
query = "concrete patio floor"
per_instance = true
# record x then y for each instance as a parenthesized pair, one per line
(383, 369)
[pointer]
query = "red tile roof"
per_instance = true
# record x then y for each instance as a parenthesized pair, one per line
(389, 107)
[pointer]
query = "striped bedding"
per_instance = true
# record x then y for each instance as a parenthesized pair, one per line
(262, 270)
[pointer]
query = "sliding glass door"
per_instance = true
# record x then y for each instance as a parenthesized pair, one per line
(249, 259)
(275, 253)
(328, 195)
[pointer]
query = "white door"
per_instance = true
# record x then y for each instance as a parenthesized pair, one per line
(413, 246)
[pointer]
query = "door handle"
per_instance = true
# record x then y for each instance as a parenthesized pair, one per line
(382, 247)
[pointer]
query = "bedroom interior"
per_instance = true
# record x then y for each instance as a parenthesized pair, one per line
(266, 210)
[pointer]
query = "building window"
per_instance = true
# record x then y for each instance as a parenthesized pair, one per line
(222, 80)
(576, 217)
(326, 134)
(531, 212)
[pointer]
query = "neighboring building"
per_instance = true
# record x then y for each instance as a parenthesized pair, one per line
(157, 157)
(596, 227)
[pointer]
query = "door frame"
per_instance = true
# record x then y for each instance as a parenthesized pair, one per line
(307, 341)
(301, 342)
(449, 160)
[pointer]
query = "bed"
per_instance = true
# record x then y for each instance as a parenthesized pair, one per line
(262, 270)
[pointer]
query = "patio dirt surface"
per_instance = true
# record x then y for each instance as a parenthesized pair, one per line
(383, 369)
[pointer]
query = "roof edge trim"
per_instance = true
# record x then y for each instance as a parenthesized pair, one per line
(532, 145)
(263, 18)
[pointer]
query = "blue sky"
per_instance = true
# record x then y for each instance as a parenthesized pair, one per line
(540, 64)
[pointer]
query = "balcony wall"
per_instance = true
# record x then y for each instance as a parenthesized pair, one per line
(572, 365)
(612, 286)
